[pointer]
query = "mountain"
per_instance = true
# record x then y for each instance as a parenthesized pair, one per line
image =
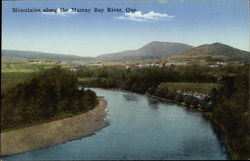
(218, 50)
(153, 50)
(17, 54)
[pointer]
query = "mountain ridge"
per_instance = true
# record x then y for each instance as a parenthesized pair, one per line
(219, 50)
(152, 50)
(22, 54)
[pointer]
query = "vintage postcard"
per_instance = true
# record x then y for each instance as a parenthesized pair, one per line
(125, 80)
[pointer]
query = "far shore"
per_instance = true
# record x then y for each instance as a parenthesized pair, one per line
(54, 132)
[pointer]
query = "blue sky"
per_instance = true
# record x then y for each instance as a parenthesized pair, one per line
(193, 22)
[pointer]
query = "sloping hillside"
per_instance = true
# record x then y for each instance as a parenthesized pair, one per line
(153, 50)
(17, 54)
(218, 50)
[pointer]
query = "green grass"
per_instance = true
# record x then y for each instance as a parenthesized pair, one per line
(194, 87)
(23, 67)
(10, 80)
(13, 73)
(89, 80)
(84, 79)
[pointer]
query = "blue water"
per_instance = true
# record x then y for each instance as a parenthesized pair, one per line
(140, 128)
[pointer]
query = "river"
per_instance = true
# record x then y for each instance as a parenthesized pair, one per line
(140, 127)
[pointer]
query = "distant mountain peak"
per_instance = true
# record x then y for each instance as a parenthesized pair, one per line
(152, 50)
(152, 42)
(217, 43)
(218, 50)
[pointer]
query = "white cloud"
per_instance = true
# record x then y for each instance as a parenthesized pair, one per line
(60, 13)
(138, 16)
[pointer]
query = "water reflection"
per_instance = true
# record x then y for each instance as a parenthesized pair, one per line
(153, 103)
(130, 97)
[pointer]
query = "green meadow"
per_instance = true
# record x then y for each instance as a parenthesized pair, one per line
(193, 87)
(13, 73)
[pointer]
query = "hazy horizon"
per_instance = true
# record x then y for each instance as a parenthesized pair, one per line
(92, 34)
(106, 53)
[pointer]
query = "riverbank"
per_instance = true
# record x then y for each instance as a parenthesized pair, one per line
(55, 132)
(218, 127)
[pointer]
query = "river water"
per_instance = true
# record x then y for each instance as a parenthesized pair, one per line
(140, 128)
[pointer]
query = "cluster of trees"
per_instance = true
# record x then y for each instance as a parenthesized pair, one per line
(229, 107)
(141, 79)
(49, 93)
(233, 113)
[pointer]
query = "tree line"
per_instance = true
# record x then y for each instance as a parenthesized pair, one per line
(50, 93)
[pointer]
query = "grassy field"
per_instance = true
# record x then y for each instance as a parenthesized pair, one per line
(194, 87)
(22, 67)
(10, 80)
(13, 73)
(84, 80)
